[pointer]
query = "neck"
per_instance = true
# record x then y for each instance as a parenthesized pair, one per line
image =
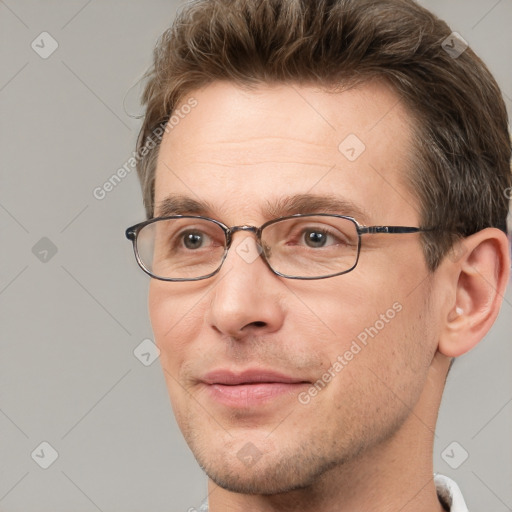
(394, 476)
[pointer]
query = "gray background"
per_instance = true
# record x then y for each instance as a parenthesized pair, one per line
(69, 325)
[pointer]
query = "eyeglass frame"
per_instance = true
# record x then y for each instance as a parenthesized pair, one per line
(132, 232)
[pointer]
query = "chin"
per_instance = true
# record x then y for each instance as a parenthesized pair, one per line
(272, 474)
(263, 481)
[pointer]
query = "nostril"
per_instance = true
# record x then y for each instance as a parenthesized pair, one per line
(259, 324)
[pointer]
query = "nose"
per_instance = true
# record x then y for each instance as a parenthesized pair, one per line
(247, 297)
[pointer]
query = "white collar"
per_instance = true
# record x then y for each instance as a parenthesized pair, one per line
(449, 493)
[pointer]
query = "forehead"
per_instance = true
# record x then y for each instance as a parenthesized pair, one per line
(239, 150)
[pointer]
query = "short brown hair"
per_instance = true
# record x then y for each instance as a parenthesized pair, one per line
(462, 152)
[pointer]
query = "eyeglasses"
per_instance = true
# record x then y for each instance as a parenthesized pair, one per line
(302, 246)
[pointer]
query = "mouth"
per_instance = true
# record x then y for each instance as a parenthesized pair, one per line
(250, 388)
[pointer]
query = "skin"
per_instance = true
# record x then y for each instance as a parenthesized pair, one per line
(364, 442)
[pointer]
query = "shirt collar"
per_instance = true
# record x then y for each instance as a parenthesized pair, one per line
(449, 494)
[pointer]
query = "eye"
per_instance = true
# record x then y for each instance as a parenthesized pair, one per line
(194, 239)
(311, 235)
(315, 237)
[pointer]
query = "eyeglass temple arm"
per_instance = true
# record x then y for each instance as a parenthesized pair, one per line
(363, 230)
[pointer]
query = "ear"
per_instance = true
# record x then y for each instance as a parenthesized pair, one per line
(479, 277)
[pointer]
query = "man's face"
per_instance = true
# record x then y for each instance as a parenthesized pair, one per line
(238, 152)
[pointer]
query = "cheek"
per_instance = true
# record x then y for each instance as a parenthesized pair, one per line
(348, 305)
(176, 320)
(380, 373)
(381, 325)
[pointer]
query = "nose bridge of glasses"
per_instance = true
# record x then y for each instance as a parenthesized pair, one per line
(231, 231)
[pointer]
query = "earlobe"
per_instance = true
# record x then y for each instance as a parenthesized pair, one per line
(480, 278)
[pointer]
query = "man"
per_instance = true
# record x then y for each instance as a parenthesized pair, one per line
(326, 232)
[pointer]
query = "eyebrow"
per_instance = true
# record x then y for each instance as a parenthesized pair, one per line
(289, 205)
